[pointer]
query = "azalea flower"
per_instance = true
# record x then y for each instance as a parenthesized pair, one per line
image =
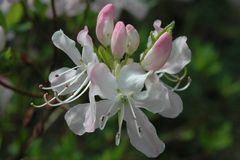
(123, 94)
(74, 81)
(124, 86)
(2, 38)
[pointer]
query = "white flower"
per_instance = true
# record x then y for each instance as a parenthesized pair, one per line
(73, 81)
(2, 38)
(138, 8)
(65, 7)
(123, 94)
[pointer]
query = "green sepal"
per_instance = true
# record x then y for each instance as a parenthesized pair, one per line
(169, 28)
(105, 56)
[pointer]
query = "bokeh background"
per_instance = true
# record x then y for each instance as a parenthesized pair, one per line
(207, 129)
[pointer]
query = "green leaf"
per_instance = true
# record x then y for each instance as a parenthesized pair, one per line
(14, 15)
(105, 56)
(217, 139)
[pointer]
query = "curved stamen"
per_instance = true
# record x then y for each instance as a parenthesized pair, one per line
(135, 118)
(173, 79)
(71, 98)
(176, 86)
(104, 118)
(185, 87)
(48, 102)
(65, 82)
(120, 121)
(80, 94)
(75, 92)
(160, 75)
(69, 70)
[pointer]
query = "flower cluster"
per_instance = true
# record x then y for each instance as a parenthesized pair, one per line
(124, 86)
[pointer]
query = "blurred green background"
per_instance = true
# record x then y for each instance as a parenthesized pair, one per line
(207, 129)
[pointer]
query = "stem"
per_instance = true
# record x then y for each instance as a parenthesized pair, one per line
(54, 58)
(17, 90)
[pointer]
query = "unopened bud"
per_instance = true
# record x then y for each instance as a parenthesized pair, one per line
(158, 54)
(104, 27)
(132, 39)
(119, 40)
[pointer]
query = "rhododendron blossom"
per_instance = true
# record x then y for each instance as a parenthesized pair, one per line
(124, 86)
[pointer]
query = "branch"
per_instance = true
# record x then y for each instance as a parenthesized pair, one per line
(17, 90)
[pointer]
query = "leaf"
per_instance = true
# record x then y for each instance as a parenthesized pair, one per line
(14, 15)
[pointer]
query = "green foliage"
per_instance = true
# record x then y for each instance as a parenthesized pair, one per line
(14, 15)
(217, 138)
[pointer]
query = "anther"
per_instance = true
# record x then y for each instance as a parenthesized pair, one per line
(103, 121)
(40, 86)
(117, 138)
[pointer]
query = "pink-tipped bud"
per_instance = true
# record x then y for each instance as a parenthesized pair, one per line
(119, 40)
(132, 40)
(158, 54)
(104, 27)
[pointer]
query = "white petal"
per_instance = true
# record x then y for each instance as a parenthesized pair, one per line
(148, 143)
(88, 55)
(179, 57)
(61, 41)
(132, 78)
(56, 78)
(175, 108)
(77, 118)
(84, 39)
(100, 75)
(155, 98)
(159, 99)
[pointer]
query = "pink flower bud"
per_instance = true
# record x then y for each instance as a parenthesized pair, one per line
(104, 27)
(119, 40)
(132, 40)
(158, 54)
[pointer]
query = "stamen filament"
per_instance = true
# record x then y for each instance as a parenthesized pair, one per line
(74, 93)
(70, 99)
(120, 121)
(61, 84)
(135, 118)
(48, 102)
(185, 87)
(104, 118)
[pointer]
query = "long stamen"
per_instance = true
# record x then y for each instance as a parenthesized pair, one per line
(69, 70)
(71, 98)
(75, 92)
(160, 75)
(135, 118)
(104, 118)
(120, 121)
(48, 102)
(186, 86)
(65, 82)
